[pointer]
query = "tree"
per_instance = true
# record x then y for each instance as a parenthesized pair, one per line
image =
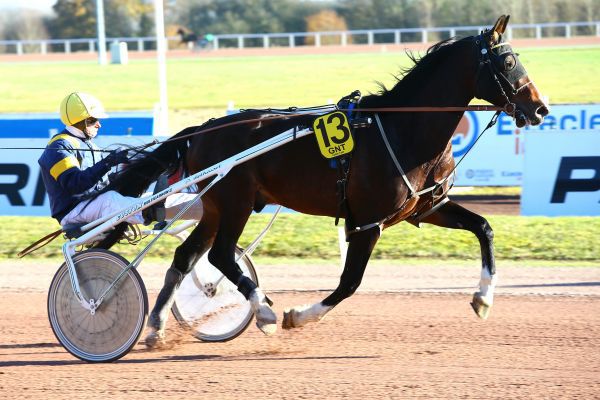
(77, 19)
(22, 25)
(325, 20)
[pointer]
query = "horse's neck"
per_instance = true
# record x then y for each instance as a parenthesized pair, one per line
(435, 129)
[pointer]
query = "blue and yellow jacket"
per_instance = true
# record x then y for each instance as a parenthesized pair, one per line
(70, 173)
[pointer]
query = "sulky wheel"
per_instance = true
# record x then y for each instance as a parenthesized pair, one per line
(210, 305)
(116, 325)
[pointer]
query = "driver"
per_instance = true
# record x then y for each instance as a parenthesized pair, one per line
(72, 168)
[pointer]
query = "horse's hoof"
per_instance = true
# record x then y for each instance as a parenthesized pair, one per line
(155, 340)
(288, 319)
(267, 328)
(266, 320)
(480, 306)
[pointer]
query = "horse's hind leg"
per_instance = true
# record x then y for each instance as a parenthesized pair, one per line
(454, 216)
(222, 255)
(186, 256)
(360, 247)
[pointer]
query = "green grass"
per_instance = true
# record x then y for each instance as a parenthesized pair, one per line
(566, 75)
(294, 236)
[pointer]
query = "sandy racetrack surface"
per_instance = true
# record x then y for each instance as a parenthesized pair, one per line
(408, 333)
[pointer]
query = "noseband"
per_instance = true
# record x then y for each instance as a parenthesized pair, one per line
(488, 58)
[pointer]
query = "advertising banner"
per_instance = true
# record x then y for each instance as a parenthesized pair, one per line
(562, 174)
(497, 158)
(46, 125)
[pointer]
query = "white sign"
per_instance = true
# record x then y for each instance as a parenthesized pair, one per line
(497, 158)
(562, 174)
(22, 190)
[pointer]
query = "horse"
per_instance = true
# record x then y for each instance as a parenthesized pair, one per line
(399, 171)
(193, 40)
(188, 38)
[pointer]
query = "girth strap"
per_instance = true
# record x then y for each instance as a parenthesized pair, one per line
(343, 164)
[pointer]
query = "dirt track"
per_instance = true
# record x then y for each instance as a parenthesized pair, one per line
(408, 333)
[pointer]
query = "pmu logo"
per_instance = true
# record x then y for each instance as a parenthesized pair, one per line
(465, 134)
(576, 174)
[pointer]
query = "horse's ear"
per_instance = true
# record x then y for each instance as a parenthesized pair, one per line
(499, 27)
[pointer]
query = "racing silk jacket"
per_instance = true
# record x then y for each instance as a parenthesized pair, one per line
(69, 174)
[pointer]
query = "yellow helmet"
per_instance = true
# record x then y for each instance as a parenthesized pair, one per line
(79, 106)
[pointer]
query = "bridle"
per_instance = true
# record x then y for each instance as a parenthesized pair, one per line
(503, 77)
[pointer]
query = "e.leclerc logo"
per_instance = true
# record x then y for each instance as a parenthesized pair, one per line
(465, 134)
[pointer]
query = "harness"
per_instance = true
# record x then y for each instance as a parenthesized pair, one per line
(489, 60)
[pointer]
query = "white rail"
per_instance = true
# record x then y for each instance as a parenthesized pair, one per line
(292, 39)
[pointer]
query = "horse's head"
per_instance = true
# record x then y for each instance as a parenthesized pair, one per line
(502, 79)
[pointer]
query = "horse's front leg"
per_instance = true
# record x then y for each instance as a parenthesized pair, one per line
(360, 246)
(454, 216)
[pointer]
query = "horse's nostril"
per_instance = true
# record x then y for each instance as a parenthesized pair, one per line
(543, 111)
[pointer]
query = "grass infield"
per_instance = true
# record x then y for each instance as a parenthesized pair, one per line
(565, 75)
(295, 236)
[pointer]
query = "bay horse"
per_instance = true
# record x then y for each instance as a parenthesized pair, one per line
(384, 186)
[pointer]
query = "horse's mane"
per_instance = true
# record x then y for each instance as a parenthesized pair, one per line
(410, 79)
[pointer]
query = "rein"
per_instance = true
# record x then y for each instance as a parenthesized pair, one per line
(294, 114)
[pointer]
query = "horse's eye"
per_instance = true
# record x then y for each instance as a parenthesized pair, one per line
(509, 62)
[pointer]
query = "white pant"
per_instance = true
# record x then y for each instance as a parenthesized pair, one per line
(111, 202)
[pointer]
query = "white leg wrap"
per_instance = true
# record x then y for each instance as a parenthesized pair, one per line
(302, 315)
(266, 320)
(487, 285)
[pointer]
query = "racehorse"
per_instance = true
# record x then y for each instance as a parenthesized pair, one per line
(399, 171)
(188, 38)
(193, 40)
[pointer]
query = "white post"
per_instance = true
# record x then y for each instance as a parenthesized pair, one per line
(101, 33)
(161, 41)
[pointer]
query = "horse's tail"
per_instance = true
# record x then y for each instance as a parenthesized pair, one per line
(135, 178)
